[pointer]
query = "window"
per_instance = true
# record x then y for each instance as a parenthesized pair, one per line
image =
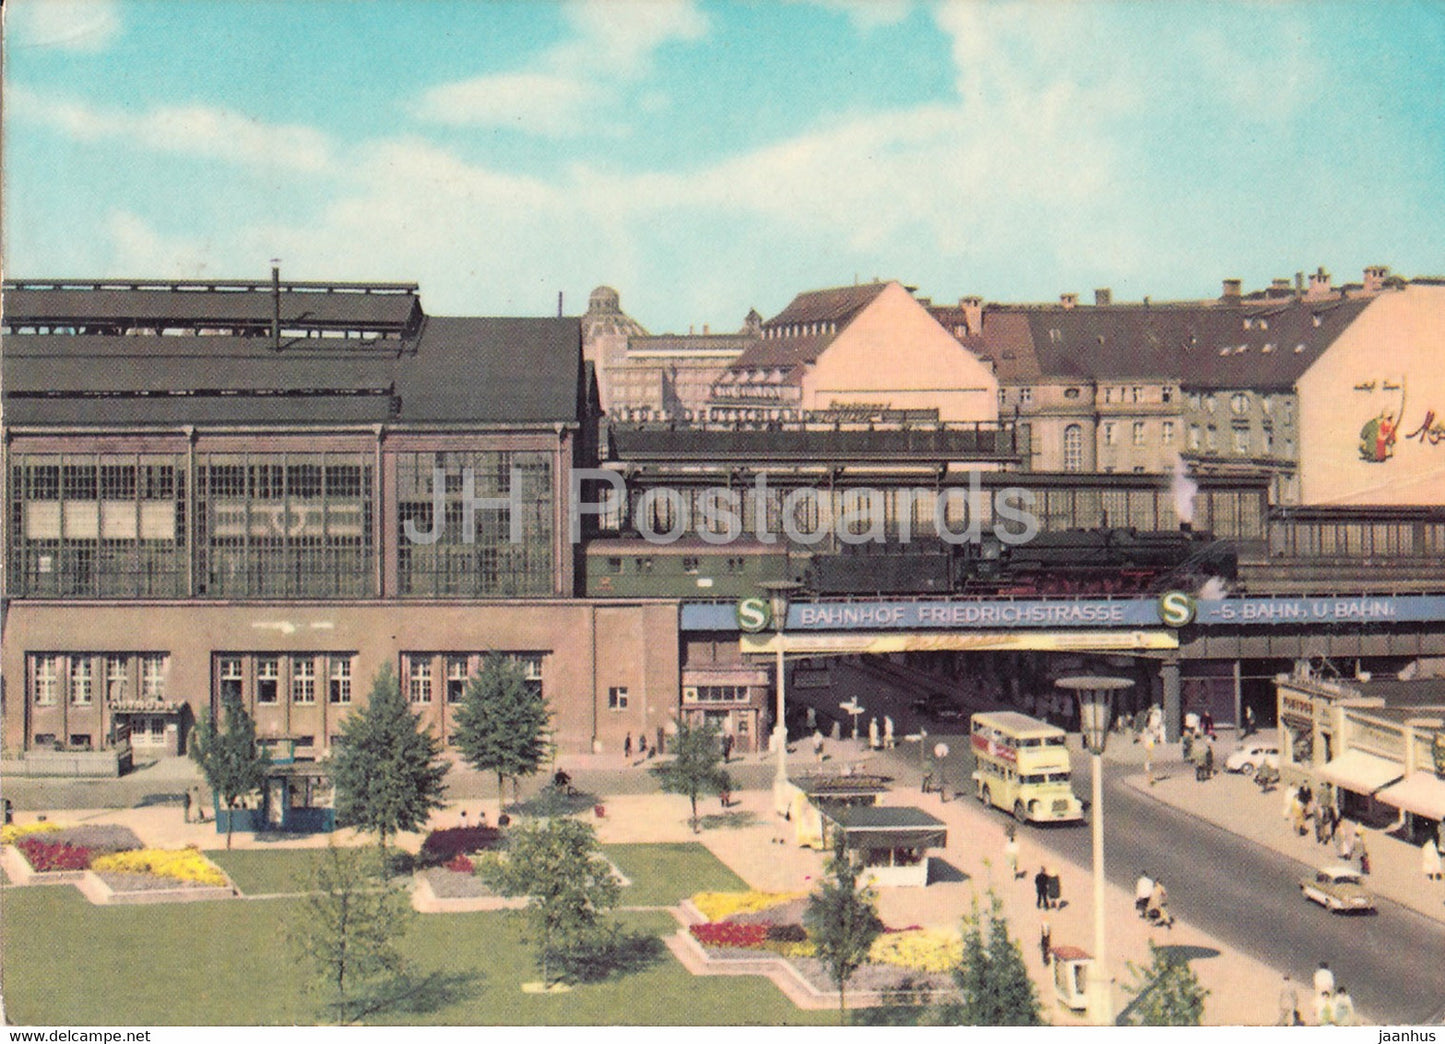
(1166, 394)
(1266, 403)
(1138, 433)
(268, 679)
(1211, 439)
(457, 675)
(231, 675)
(1209, 403)
(340, 679)
(617, 698)
(1288, 410)
(47, 680)
(303, 680)
(1109, 433)
(1241, 440)
(1108, 394)
(644, 565)
(82, 681)
(1074, 448)
(117, 676)
(1268, 439)
(419, 680)
(1239, 403)
(690, 564)
(1026, 395)
(1194, 436)
(1166, 433)
(1136, 394)
(722, 694)
(614, 565)
(153, 676)
(1071, 393)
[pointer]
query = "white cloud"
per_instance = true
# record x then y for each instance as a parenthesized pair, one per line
(194, 130)
(67, 25)
(611, 44)
(137, 247)
(867, 14)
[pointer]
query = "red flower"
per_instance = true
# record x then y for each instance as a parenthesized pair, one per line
(53, 855)
(727, 935)
(460, 864)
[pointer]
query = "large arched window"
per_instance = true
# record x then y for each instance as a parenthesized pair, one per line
(1074, 448)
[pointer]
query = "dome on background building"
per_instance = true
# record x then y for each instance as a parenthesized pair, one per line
(605, 316)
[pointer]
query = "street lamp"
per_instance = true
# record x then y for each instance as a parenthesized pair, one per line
(1096, 707)
(778, 592)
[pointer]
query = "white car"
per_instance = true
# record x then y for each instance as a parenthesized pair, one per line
(1248, 757)
(1338, 888)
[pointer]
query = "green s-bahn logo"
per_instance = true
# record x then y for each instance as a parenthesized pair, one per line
(754, 615)
(1177, 608)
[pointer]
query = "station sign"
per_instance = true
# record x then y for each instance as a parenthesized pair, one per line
(1175, 609)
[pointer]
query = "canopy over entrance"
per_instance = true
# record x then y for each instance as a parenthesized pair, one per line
(1422, 793)
(1363, 773)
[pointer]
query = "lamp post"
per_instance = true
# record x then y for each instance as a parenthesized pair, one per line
(1096, 705)
(778, 592)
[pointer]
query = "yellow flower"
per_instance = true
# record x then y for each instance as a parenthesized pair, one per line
(186, 864)
(15, 831)
(919, 949)
(719, 906)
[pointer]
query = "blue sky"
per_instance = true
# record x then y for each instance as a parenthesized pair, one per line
(707, 158)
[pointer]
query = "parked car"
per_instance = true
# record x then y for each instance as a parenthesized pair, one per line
(1338, 888)
(1248, 757)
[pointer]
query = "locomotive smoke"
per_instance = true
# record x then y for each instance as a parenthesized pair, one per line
(1184, 489)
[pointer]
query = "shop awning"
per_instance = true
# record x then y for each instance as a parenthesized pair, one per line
(1422, 793)
(1363, 773)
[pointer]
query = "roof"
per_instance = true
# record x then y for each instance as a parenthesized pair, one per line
(840, 786)
(1207, 344)
(1020, 723)
(1364, 773)
(436, 370)
(876, 826)
(1422, 793)
(834, 309)
(1414, 693)
(837, 305)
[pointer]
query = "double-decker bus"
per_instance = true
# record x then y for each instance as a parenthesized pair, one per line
(1022, 766)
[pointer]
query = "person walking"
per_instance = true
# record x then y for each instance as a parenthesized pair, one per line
(1149, 757)
(1364, 856)
(1158, 911)
(1347, 841)
(1248, 722)
(874, 740)
(1143, 889)
(186, 807)
(1343, 1008)
(1208, 761)
(1324, 979)
(1011, 851)
(1046, 941)
(727, 745)
(1288, 1003)
(818, 746)
(1041, 889)
(1430, 860)
(888, 742)
(627, 747)
(1056, 889)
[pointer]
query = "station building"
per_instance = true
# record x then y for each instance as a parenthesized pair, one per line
(209, 488)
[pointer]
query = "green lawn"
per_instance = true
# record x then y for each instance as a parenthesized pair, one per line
(70, 963)
(266, 872)
(665, 874)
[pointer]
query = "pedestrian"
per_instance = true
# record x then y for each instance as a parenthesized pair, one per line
(1288, 1003)
(1364, 857)
(1041, 889)
(1347, 841)
(1149, 757)
(1249, 721)
(1206, 722)
(888, 741)
(1011, 852)
(1344, 1007)
(187, 806)
(1056, 890)
(627, 747)
(1325, 1008)
(1046, 941)
(1324, 979)
(642, 746)
(1158, 910)
(727, 745)
(818, 746)
(1143, 889)
(875, 741)
(1430, 860)
(1301, 817)
(1208, 761)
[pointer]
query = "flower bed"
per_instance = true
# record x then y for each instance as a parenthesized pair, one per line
(446, 884)
(9, 835)
(47, 856)
(730, 936)
(460, 864)
(918, 949)
(186, 864)
(721, 906)
(441, 846)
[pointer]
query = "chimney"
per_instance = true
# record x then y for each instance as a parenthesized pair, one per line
(559, 304)
(1103, 296)
(972, 309)
(1233, 289)
(704, 329)
(1279, 286)
(926, 302)
(1068, 300)
(1299, 282)
(1375, 276)
(1319, 283)
(275, 304)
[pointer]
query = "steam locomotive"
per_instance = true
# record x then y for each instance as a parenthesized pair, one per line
(1106, 561)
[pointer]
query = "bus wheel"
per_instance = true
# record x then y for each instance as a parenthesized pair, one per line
(1019, 812)
(985, 796)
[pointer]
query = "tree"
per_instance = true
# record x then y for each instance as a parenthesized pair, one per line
(350, 926)
(502, 725)
(229, 757)
(842, 920)
(1167, 993)
(696, 767)
(557, 865)
(388, 769)
(993, 983)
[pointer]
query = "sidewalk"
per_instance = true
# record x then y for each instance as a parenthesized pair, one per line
(1235, 803)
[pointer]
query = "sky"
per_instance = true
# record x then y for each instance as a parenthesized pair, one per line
(706, 158)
